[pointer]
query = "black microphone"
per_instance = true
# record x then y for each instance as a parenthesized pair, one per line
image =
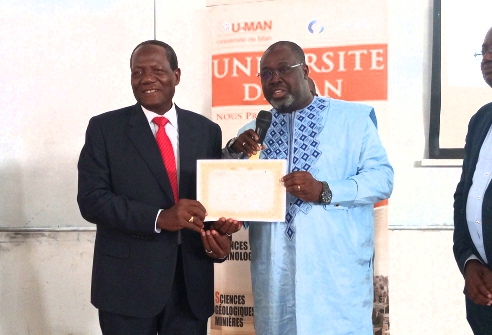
(263, 121)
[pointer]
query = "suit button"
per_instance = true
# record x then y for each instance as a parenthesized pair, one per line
(174, 244)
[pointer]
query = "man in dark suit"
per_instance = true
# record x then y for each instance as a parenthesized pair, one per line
(153, 254)
(473, 210)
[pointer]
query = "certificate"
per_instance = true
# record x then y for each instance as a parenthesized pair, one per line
(242, 189)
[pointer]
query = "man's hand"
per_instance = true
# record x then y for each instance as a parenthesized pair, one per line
(184, 214)
(478, 283)
(228, 227)
(246, 143)
(303, 185)
(216, 244)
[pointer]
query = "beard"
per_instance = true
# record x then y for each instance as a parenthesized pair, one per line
(284, 104)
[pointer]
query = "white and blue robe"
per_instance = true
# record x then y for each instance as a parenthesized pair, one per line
(313, 273)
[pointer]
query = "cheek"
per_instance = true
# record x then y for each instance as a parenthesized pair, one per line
(167, 82)
(134, 83)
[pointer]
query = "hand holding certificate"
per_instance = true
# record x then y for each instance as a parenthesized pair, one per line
(246, 190)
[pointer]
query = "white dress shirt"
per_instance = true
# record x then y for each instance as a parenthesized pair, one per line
(480, 182)
(172, 132)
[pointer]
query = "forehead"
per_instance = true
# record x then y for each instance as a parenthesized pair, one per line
(149, 53)
(488, 38)
(276, 56)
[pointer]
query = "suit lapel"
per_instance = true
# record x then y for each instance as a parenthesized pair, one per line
(188, 144)
(141, 136)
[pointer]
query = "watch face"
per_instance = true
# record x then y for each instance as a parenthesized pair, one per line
(325, 196)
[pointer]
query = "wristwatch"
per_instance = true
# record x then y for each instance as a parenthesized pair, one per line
(325, 196)
(230, 143)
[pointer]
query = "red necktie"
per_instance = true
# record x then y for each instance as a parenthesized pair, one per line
(167, 153)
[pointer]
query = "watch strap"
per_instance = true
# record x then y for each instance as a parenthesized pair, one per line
(230, 143)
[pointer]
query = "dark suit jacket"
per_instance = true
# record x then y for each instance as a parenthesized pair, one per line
(122, 185)
(463, 246)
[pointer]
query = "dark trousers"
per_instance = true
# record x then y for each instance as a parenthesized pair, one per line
(479, 317)
(175, 319)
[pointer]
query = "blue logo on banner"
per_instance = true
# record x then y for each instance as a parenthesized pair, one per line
(315, 27)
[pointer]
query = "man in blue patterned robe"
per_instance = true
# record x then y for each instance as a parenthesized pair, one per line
(313, 273)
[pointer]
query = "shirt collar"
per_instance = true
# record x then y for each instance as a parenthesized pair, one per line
(170, 115)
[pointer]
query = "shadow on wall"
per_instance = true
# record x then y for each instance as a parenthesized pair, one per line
(44, 276)
(20, 284)
(40, 195)
(11, 197)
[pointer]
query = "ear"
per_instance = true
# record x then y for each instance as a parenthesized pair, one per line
(305, 70)
(177, 76)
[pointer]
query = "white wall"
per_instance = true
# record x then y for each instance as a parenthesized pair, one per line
(45, 278)
(422, 197)
(62, 63)
(45, 284)
(425, 285)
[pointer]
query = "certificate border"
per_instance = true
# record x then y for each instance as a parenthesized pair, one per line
(277, 166)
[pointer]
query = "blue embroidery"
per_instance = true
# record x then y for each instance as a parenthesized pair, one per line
(307, 126)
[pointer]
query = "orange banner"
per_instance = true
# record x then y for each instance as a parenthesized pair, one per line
(354, 73)
(381, 203)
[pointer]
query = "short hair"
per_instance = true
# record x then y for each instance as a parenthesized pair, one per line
(171, 55)
(297, 50)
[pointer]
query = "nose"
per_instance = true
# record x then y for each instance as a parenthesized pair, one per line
(276, 72)
(275, 76)
(148, 77)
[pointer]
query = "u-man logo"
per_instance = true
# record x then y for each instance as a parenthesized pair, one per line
(315, 27)
(245, 27)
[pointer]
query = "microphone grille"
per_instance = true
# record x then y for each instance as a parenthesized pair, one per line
(264, 115)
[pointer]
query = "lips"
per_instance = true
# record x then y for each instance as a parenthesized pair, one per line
(278, 93)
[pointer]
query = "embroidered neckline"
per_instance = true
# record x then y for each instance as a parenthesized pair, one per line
(307, 124)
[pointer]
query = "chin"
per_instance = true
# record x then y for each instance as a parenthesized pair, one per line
(151, 105)
(283, 105)
(488, 80)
